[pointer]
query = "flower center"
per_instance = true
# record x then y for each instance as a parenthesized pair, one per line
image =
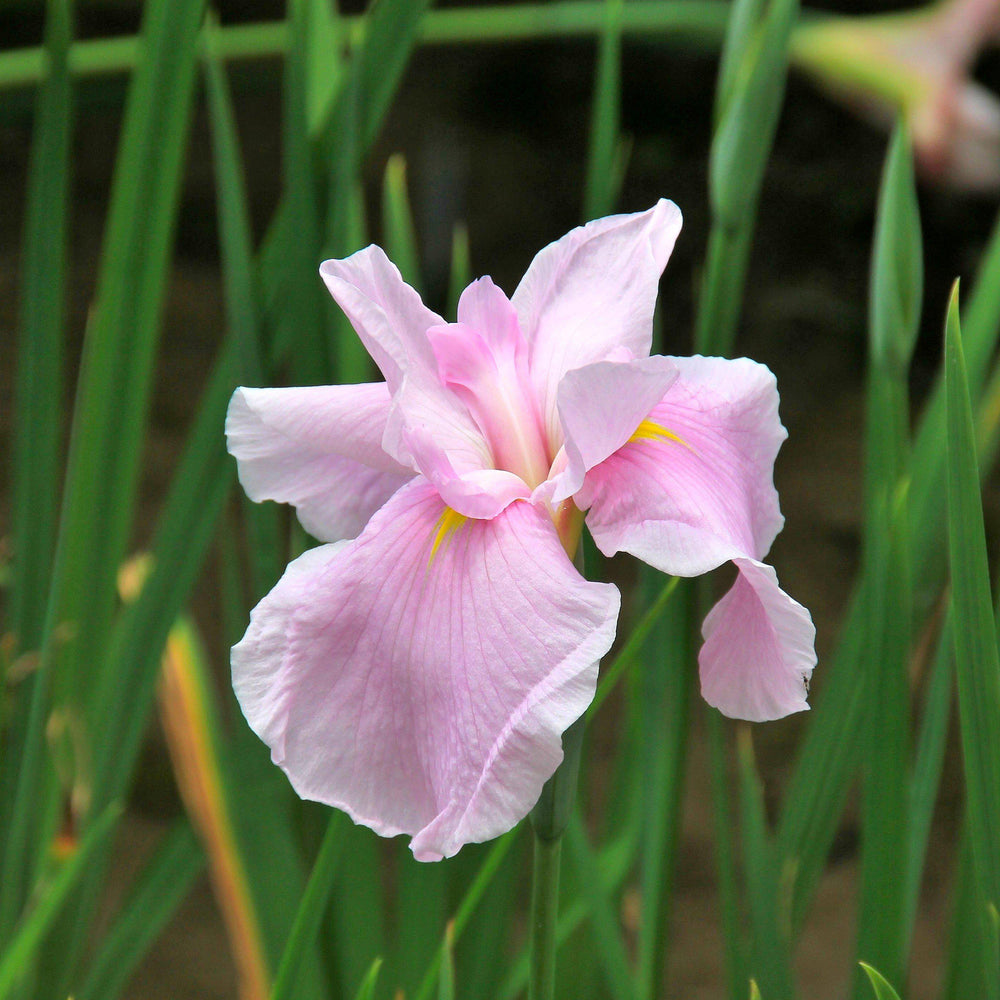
(489, 374)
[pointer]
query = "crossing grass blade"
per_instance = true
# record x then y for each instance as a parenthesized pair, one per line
(152, 901)
(976, 657)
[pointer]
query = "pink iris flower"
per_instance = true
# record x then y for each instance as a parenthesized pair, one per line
(418, 670)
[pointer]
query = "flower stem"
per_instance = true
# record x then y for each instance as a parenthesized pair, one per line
(544, 911)
(548, 819)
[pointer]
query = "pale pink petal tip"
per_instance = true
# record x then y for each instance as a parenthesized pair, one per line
(759, 651)
(421, 676)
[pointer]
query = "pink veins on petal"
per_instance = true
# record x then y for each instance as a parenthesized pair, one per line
(419, 669)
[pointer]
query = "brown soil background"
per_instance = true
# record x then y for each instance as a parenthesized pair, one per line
(496, 135)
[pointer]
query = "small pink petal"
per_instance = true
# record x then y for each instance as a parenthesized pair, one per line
(317, 448)
(420, 677)
(438, 436)
(591, 294)
(758, 654)
(387, 313)
(483, 360)
(600, 406)
(701, 493)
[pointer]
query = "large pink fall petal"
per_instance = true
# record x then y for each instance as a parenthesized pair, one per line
(420, 677)
(758, 654)
(317, 448)
(590, 296)
(694, 487)
(600, 406)
(387, 313)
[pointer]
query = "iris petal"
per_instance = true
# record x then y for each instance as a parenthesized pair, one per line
(422, 683)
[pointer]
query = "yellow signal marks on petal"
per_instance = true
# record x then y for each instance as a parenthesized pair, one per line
(448, 523)
(648, 430)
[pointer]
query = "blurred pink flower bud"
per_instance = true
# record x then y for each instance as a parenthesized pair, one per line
(917, 64)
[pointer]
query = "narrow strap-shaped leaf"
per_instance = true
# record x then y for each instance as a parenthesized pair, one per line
(152, 901)
(473, 895)
(37, 441)
(972, 969)
(753, 76)
(112, 398)
(241, 292)
(192, 727)
(21, 950)
(723, 844)
(460, 271)
(602, 182)
(830, 753)
(310, 912)
(976, 658)
(421, 911)
(366, 991)
(607, 935)
(664, 705)
(446, 974)
(37, 451)
(927, 767)
(895, 298)
(882, 987)
(300, 319)
(397, 222)
(615, 861)
(770, 956)
(119, 351)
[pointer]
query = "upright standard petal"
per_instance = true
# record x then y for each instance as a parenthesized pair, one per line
(693, 486)
(589, 296)
(420, 677)
(759, 651)
(388, 315)
(318, 448)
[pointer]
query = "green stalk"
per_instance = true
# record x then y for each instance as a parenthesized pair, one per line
(700, 21)
(544, 910)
